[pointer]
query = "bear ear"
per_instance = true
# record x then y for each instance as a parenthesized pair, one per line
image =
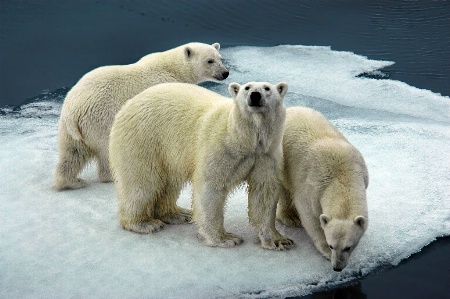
(217, 46)
(233, 89)
(324, 219)
(282, 88)
(360, 221)
(188, 52)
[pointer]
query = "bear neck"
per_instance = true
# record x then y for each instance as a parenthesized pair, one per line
(170, 66)
(261, 131)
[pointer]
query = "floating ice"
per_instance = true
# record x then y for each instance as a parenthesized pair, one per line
(69, 244)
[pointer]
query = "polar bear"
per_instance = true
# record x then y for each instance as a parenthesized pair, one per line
(325, 182)
(175, 133)
(90, 106)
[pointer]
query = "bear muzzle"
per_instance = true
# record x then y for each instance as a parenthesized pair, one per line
(223, 76)
(255, 99)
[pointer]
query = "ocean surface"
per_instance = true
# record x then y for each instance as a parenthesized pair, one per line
(378, 70)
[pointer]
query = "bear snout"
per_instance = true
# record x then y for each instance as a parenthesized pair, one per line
(222, 76)
(255, 99)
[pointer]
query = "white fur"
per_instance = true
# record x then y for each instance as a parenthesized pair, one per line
(325, 185)
(90, 106)
(175, 133)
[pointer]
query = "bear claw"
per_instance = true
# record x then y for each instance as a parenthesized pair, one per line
(278, 245)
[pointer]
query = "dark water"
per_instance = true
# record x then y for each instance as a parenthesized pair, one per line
(47, 45)
(425, 275)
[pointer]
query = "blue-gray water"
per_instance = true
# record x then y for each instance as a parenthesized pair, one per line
(47, 45)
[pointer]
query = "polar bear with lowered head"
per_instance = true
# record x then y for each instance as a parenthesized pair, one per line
(325, 185)
(91, 105)
(176, 133)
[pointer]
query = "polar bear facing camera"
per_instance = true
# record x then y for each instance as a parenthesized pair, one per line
(91, 105)
(176, 133)
(325, 185)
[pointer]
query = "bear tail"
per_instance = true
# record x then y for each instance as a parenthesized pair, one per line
(73, 129)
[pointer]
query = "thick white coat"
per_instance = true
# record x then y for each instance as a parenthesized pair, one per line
(176, 133)
(325, 182)
(91, 105)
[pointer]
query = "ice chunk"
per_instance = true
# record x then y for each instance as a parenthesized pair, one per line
(70, 244)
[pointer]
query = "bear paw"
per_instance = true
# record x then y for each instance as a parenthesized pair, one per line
(228, 240)
(235, 238)
(278, 244)
(70, 185)
(145, 227)
(183, 216)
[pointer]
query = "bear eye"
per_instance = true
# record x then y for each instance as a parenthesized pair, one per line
(346, 249)
(266, 88)
(210, 61)
(247, 87)
(331, 247)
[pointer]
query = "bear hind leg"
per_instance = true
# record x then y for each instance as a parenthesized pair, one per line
(286, 211)
(289, 217)
(136, 210)
(73, 157)
(166, 207)
(103, 170)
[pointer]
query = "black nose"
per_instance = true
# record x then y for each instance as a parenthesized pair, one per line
(337, 269)
(255, 99)
(225, 74)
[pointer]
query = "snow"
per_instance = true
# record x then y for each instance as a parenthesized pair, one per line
(70, 244)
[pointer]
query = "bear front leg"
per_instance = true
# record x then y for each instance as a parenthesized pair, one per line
(209, 214)
(262, 204)
(314, 231)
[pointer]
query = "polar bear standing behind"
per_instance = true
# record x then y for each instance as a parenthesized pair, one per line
(176, 133)
(325, 183)
(91, 105)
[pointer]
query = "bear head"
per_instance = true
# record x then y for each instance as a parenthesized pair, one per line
(342, 236)
(206, 61)
(259, 97)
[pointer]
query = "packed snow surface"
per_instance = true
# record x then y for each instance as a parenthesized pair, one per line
(70, 244)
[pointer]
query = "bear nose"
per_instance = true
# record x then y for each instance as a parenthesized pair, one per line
(337, 269)
(255, 99)
(225, 74)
